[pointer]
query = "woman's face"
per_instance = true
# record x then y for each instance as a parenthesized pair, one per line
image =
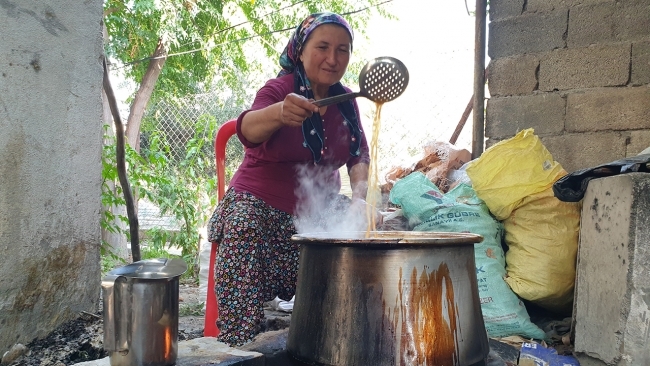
(326, 55)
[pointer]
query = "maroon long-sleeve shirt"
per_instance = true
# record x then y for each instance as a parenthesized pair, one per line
(273, 169)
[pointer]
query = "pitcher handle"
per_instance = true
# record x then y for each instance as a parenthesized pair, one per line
(108, 286)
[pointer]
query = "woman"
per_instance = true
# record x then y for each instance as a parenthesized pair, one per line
(287, 138)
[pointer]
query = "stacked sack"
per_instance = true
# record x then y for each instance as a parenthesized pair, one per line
(515, 179)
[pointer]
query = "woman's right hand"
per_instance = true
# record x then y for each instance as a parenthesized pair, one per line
(295, 109)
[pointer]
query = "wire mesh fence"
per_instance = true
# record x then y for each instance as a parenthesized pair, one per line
(179, 121)
(176, 123)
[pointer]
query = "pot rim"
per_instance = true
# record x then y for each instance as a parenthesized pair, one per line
(436, 238)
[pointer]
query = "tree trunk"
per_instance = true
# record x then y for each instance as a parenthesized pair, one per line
(117, 241)
(144, 94)
(120, 158)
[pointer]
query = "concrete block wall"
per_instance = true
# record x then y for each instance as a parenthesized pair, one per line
(577, 71)
(612, 297)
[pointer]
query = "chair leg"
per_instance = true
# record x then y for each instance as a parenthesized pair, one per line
(210, 328)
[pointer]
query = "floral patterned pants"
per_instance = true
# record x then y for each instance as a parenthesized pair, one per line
(256, 262)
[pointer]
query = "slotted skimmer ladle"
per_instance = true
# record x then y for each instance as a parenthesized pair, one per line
(381, 80)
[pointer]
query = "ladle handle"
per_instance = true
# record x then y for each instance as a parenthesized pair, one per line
(336, 99)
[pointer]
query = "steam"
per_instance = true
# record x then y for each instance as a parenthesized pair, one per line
(321, 209)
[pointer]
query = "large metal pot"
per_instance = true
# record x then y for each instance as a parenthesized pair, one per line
(394, 298)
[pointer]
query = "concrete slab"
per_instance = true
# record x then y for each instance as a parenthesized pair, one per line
(202, 352)
(612, 301)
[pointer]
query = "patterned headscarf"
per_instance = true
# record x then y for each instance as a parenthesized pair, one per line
(312, 127)
(291, 55)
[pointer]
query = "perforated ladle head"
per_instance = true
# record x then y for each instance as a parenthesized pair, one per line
(381, 80)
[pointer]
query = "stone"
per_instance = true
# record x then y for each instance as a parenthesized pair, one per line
(608, 109)
(508, 115)
(587, 67)
(528, 33)
(272, 345)
(548, 5)
(608, 22)
(500, 9)
(640, 63)
(208, 350)
(583, 150)
(593, 24)
(634, 18)
(14, 352)
(204, 351)
(639, 141)
(515, 75)
(612, 299)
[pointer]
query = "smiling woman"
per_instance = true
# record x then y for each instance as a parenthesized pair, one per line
(294, 150)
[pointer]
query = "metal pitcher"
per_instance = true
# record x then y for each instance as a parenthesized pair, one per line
(141, 312)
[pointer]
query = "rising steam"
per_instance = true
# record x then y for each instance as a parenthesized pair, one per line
(321, 209)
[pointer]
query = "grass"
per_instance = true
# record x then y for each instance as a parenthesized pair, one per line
(147, 252)
(191, 309)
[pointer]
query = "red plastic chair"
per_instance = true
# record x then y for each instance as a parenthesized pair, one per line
(224, 133)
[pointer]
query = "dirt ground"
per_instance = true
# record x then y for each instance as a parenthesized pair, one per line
(81, 339)
(192, 314)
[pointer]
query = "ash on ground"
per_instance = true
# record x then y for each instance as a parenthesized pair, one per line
(76, 341)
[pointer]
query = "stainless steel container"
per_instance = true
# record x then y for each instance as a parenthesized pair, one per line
(395, 298)
(141, 312)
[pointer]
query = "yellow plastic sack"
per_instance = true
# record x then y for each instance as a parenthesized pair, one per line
(542, 239)
(515, 179)
(512, 170)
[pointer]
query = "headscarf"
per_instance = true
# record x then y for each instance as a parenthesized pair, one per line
(312, 127)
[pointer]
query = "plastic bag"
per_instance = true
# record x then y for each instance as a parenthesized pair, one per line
(437, 160)
(542, 238)
(512, 170)
(460, 210)
(572, 187)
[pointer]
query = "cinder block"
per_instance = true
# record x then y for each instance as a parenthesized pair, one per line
(501, 9)
(513, 75)
(548, 5)
(638, 141)
(634, 20)
(509, 115)
(592, 24)
(588, 67)
(640, 63)
(608, 109)
(608, 22)
(583, 150)
(612, 298)
(527, 33)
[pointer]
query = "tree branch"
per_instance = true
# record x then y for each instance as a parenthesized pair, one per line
(144, 94)
(121, 166)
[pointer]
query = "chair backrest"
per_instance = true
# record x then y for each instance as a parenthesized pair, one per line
(224, 133)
